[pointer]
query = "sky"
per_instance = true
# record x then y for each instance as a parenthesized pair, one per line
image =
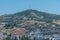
(13, 6)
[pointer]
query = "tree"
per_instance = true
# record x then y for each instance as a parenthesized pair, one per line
(15, 38)
(8, 38)
(25, 38)
(4, 38)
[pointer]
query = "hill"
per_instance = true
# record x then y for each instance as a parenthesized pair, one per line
(28, 14)
(32, 20)
(28, 19)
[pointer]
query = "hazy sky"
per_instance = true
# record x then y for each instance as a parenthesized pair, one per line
(13, 6)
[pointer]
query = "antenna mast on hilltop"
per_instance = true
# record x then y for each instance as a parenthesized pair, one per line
(29, 5)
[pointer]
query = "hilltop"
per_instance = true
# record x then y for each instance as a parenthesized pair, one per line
(29, 14)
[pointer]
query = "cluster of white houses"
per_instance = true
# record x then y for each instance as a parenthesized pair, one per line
(33, 36)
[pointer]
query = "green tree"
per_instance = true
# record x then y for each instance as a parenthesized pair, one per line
(4, 38)
(8, 38)
(15, 38)
(25, 38)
